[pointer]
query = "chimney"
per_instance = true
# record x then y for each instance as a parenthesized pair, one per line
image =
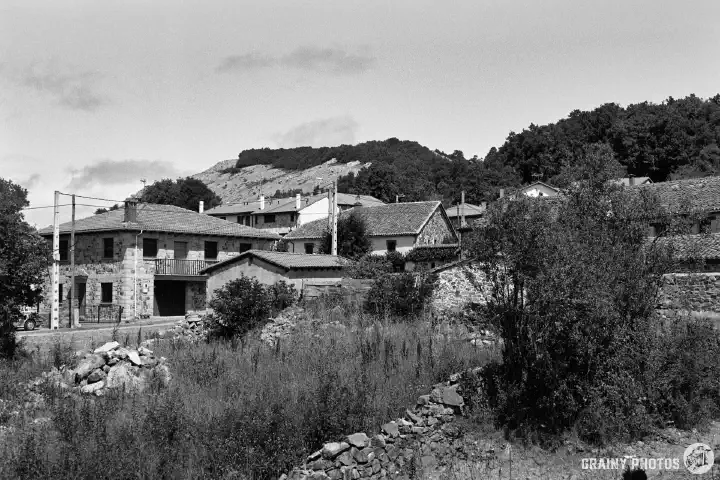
(262, 202)
(130, 210)
(298, 202)
(202, 207)
(502, 192)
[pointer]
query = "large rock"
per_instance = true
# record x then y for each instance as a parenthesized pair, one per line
(134, 357)
(120, 376)
(391, 429)
(96, 375)
(93, 387)
(359, 440)
(447, 396)
(107, 347)
(333, 449)
(87, 365)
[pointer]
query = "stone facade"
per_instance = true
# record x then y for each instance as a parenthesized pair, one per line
(459, 285)
(691, 292)
(129, 277)
(436, 231)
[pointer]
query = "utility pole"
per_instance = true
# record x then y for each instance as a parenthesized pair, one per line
(330, 209)
(55, 312)
(73, 316)
(462, 207)
(334, 219)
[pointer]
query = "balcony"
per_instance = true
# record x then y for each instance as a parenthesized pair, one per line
(181, 267)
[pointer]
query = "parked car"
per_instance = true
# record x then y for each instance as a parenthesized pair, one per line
(28, 319)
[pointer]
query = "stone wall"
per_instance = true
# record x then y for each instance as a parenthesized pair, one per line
(691, 292)
(436, 231)
(459, 285)
(424, 438)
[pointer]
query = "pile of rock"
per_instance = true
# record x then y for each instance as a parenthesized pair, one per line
(294, 319)
(424, 438)
(192, 328)
(109, 367)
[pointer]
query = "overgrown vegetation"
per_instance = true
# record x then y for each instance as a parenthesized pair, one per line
(575, 283)
(400, 294)
(244, 304)
(236, 409)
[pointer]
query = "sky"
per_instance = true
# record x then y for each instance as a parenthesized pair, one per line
(95, 96)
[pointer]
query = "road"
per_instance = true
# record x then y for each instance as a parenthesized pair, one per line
(94, 334)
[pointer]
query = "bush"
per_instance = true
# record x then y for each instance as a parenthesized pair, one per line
(244, 304)
(402, 294)
(369, 267)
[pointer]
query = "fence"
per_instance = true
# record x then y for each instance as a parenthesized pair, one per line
(107, 313)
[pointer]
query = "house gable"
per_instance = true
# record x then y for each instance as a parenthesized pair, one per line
(437, 230)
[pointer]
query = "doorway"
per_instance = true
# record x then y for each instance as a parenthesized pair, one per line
(169, 298)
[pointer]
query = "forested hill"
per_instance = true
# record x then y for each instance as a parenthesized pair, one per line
(675, 139)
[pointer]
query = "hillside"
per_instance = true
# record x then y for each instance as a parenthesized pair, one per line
(676, 139)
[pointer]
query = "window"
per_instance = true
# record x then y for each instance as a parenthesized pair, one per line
(64, 249)
(211, 250)
(391, 245)
(60, 290)
(223, 218)
(150, 247)
(268, 218)
(309, 248)
(108, 248)
(106, 292)
(292, 217)
(244, 247)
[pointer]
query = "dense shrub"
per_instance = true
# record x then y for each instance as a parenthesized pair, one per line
(352, 238)
(574, 288)
(244, 304)
(401, 294)
(369, 267)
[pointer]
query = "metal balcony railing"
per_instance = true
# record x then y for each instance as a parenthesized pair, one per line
(171, 266)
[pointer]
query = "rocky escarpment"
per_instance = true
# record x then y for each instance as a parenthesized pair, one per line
(424, 438)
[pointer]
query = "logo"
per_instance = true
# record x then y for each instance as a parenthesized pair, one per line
(698, 458)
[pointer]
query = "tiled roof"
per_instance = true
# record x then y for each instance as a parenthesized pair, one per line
(390, 219)
(287, 260)
(695, 194)
(470, 211)
(701, 246)
(636, 181)
(162, 218)
(286, 205)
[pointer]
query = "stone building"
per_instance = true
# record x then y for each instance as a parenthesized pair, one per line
(145, 259)
(407, 228)
(296, 269)
(283, 215)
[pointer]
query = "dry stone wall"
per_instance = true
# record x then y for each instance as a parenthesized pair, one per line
(425, 437)
(690, 292)
(460, 285)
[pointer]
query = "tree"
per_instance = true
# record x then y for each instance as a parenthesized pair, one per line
(105, 210)
(574, 287)
(185, 193)
(24, 256)
(353, 240)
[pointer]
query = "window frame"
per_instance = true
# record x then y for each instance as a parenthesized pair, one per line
(211, 242)
(103, 292)
(311, 247)
(388, 243)
(267, 217)
(244, 247)
(105, 247)
(64, 252)
(145, 254)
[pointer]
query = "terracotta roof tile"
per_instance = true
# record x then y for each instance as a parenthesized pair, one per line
(700, 246)
(287, 205)
(390, 219)
(470, 211)
(162, 218)
(698, 194)
(287, 260)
